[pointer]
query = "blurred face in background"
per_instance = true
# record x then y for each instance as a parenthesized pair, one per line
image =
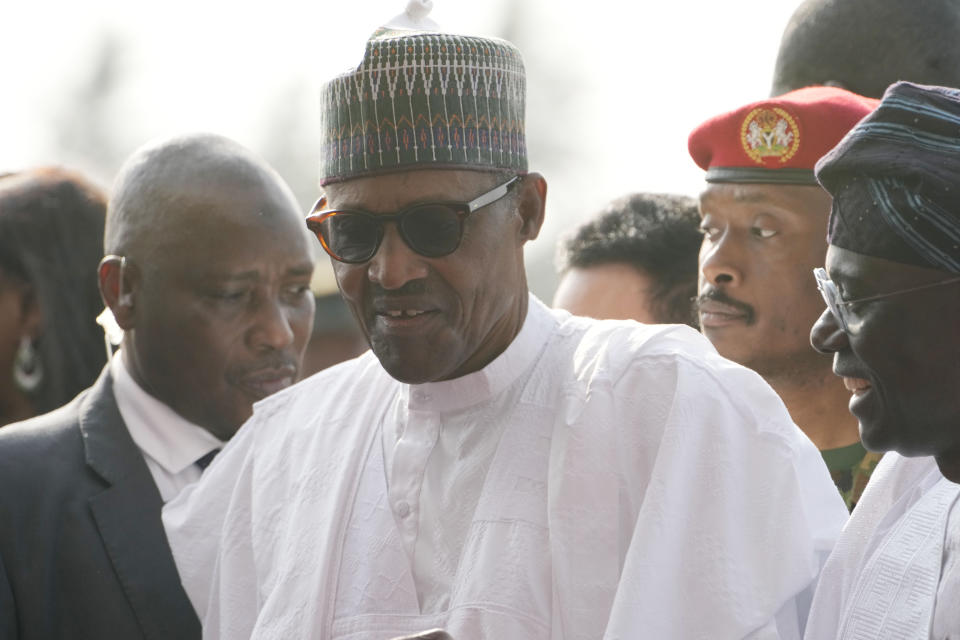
(613, 291)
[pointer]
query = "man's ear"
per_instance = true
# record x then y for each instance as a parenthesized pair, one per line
(118, 288)
(532, 204)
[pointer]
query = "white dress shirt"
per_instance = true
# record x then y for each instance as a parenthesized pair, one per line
(438, 442)
(170, 444)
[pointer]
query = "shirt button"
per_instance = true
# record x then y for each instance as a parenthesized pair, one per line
(403, 509)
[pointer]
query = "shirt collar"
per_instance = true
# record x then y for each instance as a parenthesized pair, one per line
(473, 388)
(160, 432)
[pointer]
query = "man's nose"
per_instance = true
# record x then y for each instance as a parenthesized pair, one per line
(826, 336)
(395, 264)
(720, 261)
(272, 326)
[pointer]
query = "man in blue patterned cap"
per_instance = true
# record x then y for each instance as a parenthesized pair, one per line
(892, 285)
(492, 467)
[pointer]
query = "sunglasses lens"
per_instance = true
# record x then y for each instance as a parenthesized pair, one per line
(432, 230)
(350, 237)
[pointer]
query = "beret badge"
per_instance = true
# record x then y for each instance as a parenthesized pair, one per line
(770, 135)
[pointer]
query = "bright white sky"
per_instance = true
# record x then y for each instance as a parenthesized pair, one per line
(614, 86)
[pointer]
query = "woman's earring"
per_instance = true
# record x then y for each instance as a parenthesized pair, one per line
(27, 368)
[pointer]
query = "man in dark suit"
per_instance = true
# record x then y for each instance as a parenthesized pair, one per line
(208, 275)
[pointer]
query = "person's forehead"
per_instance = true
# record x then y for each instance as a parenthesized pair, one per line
(799, 200)
(608, 290)
(246, 253)
(612, 273)
(845, 265)
(225, 234)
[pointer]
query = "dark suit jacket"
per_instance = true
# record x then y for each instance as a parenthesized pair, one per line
(82, 549)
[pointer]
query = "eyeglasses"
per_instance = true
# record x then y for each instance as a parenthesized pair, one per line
(431, 229)
(840, 308)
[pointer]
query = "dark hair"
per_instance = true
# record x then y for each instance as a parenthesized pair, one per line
(655, 233)
(865, 45)
(51, 237)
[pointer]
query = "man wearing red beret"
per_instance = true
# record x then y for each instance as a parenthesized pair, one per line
(764, 219)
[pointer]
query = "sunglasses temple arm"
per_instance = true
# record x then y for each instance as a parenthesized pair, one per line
(493, 195)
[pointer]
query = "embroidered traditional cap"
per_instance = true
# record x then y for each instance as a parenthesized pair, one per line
(895, 180)
(424, 99)
(777, 140)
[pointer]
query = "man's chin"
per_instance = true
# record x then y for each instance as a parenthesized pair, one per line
(409, 369)
(730, 343)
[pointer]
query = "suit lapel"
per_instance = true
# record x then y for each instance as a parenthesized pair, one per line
(127, 514)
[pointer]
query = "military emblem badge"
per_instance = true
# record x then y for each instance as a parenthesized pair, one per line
(770, 135)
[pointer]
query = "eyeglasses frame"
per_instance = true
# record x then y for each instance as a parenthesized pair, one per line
(831, 295)
(462, 209)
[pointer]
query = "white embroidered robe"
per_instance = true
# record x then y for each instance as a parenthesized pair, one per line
(641, 487)
(895, 572)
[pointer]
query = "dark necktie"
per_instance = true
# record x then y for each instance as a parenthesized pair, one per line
(204, 461)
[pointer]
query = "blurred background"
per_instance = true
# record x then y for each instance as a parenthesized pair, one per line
(614, 87)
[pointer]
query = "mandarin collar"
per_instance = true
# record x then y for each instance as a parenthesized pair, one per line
(476, 387)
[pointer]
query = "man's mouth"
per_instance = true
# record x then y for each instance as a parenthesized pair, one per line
(404, 320)
(857, 386)
(404, 313)
(407, 314)
(717, 310)
(719, 314)
(264, 382)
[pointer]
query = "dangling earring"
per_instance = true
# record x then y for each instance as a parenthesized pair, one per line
(27, 368)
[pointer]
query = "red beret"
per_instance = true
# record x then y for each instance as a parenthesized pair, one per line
(777, 140)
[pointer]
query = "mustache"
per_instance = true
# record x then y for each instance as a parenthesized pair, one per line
(712, 294)
(412, 288)
(272, 360)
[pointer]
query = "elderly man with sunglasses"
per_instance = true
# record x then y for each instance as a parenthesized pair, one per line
(492, 468)
(892, 286)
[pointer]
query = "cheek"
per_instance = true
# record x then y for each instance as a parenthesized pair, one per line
(791, 291)
(301, 323)
(905, 350)
(190, 336)
(352, 280)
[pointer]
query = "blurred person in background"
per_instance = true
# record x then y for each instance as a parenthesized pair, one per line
(207, 275)
(335, 335)
(635, 260)
(763, 221)
(51, 239)
(866, 45)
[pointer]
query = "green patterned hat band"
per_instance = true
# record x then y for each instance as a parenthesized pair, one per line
(425, 100)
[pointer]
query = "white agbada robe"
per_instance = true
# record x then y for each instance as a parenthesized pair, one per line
(637, 485)
(895, 572)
